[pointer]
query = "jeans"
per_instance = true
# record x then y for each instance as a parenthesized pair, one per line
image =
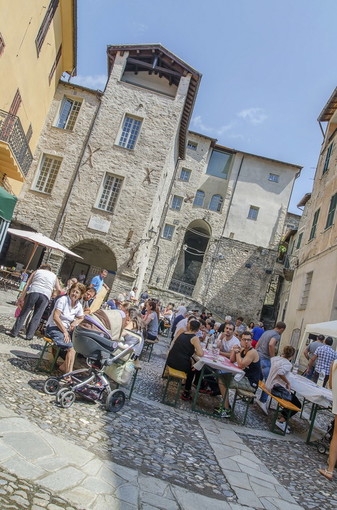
(32, 300)
(265, 368)
(56, 334)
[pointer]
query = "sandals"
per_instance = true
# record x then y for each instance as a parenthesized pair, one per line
(326, 473)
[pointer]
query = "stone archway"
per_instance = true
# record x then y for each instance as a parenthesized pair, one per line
(95, 256)
(191, 257)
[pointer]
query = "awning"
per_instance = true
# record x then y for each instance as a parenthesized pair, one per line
(7, 204)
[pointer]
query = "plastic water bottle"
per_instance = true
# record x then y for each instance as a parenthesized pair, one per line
(321, 378)
(296, 367)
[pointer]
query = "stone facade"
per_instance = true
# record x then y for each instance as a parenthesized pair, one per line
(186, 217)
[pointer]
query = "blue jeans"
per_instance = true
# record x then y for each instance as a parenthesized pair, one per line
(265, 368)
(56, 334)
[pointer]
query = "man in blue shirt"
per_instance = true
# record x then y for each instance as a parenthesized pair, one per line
(98, 281)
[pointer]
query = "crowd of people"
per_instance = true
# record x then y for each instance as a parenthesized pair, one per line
(255, 351)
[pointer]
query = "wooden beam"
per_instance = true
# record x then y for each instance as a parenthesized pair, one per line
(150, 66)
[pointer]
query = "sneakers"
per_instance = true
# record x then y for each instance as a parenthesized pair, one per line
(282, 426)
(185, 395)
(222, 413)
(9, 333)
(263, 406)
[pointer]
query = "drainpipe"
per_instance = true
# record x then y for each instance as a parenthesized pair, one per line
(62, 212)
(223, 231)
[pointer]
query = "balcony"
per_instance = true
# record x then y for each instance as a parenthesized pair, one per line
(181, 287)
(290, 264)
(15, 154)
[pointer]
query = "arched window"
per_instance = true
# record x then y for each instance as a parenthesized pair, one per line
(199, 198)
(215, 203)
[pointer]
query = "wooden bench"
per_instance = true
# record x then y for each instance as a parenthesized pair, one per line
(172, 375)
(285, 404)
(148, 348)
(55, 354)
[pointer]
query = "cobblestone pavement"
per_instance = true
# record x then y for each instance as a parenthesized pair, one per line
(239, 467)
(15, 493)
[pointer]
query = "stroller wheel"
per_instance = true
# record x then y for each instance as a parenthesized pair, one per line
(61, 392)
(115, 401)
(321, 448)
(51, 386)
(67, 399)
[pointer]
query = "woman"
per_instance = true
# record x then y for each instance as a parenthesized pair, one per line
(67, 313)
(328, 472)
(279, 372)
(179, 357)
(151, 320)
(251, 326)
(166, 316)
(133, 331)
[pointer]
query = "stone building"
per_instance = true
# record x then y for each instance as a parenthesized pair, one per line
(118, 178)
(313, 293)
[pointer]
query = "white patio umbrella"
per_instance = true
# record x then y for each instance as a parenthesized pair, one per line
(40, 240)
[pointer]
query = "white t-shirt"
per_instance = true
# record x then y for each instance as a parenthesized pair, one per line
(68, 313)
(43, 282)
(182, 324)
(226, 345)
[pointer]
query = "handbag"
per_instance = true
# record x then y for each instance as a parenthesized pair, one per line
(280, 392)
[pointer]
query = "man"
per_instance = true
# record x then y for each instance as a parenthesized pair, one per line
(227, 340)
(257, 332)
(324, 356)
(267, 348)
(132, 295)
(309, 352)
(81, 277)
(36, 294)
(180, 314)
(88, 299)
(183, 322)
(98, 281)
(247, 359)
(240, 327)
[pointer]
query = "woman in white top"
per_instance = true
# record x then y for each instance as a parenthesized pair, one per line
(328, 472)
(67, 314)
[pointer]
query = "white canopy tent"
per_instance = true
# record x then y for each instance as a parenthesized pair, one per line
(321, 328)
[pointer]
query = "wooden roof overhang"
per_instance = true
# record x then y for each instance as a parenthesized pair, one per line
(329, 109)
(304, 200)
(156, 59)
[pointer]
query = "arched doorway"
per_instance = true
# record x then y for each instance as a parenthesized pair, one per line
(96, 256)
(191, 257)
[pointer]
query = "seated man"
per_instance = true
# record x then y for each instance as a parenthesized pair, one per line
(248, 360)
(88, 299)
(227, 340)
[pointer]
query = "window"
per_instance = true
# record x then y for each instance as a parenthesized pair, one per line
(219, 164)
(48, 171)
(168, 232)
(110, 191)
(274, 178)
(130, 131)
(331, 213)
(253, 212)
(176, 202)
(314, 225)
(2, 44)
(299, 241)
(45, 25)
(13, 110)
(215, 203)
(306, 291)
(327, 159)
(192, 145)
(185, 175)
(55, 64)
(68, 113)
(199, 198)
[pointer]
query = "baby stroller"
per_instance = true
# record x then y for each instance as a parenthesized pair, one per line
(95, 339)
(323, 444)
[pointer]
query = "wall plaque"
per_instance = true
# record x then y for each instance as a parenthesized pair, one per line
(97, 223)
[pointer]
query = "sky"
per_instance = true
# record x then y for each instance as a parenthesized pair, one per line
(268, 66)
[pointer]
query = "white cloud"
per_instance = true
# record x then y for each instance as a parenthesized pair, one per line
(253, 115)
(95, 81)
(199, 125)
(140, 28)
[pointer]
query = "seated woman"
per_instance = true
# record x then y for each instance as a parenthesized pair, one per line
(166, 317)
(67, 313)
(182, 349)
(151, 320)
(279, 372)
(133, 332)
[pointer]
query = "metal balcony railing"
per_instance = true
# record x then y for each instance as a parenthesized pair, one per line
(12, 133)
(181, 287)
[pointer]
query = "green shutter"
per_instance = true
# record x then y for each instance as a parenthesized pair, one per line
(332, 209)
(327, 159)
